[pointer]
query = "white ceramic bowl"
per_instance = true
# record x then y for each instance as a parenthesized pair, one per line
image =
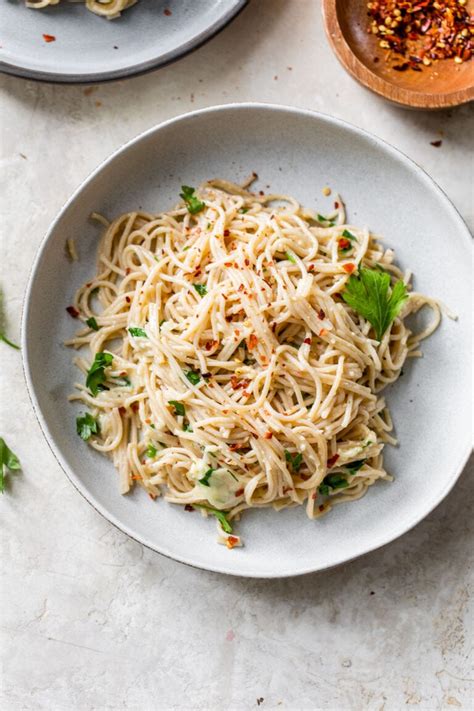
(89, 48)
(297, 152)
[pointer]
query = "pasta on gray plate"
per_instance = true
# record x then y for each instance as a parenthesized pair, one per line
(238, 346)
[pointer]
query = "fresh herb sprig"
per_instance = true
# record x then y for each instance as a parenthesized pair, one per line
(220, 515)
(294, 460)
(137, 332)
(179, 408)
(192, 202)
(96, 374)
(205, 479)
(151, 450)
(86, 426)
(201, 289)
(332, 481)
(368, 294)
(193, 377)
(8, 462)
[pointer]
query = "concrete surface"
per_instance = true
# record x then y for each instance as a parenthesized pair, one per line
(90, 619)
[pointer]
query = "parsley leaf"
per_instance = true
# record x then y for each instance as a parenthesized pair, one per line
(193, 377)
(367, 293)
(137, 332)
(332, 481)
(205, 479)
(355, 466)
(348, 235)
(8, 461)
(92, 323)
(290, 257)
(294, 461)
(179, 408)
(201, 289)
(243, 210)
(193, 203)
(220, 515)
(96, 373)
(187, 427)
(87, 426)
(331, 221)
(151, 450)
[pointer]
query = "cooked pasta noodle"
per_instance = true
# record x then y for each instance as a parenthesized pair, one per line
(240, 378)
(106, 8)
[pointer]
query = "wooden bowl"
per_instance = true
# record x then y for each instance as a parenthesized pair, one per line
(441, 85)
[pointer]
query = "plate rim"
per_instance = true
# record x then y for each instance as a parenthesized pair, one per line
(73, 478)
(127, 72)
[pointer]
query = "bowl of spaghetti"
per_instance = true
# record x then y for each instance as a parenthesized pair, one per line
(229, 334)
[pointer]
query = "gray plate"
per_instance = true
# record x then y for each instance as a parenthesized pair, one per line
(89, 48)
(298, 152)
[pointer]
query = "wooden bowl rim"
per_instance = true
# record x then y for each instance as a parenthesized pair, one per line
(365, 76)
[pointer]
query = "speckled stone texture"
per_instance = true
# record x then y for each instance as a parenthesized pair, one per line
(90, 619)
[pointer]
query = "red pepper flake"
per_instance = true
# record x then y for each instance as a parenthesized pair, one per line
(49, 38)
(273, 327)
(420, 32)
(167, 12)
(349, 268)
(332, 460)
(72, 311)
(321, 314)
(239, 492)
(210, 345)
(336, 205)
(268, 435)
(307, 341)
(134, 407)
(321, 507)
(127, 299)
(226, 233)
(188, 507)
(436, 144)
(122, 410)
(344, 243)
(235, 383)
(231, 541)
(247, 262)
(311, 268)
(260, 192)
(314, 495)
(227, 264)
(127, 271)
(251, 341)
(323, 332)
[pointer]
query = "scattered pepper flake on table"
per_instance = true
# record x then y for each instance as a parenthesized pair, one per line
(422, 31)
(436, 144)
(49, 38)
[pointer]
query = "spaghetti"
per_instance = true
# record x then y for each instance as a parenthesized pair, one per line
(107, 8)
(227, 372)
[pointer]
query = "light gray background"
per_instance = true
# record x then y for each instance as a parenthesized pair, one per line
(91, 620)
